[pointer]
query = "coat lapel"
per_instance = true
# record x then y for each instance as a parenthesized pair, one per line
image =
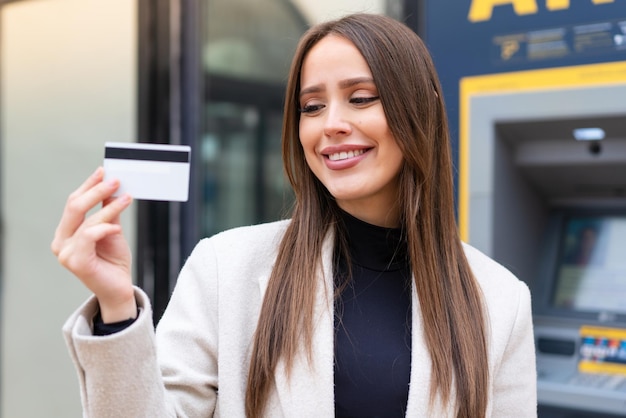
(309, 390)
(419, 387)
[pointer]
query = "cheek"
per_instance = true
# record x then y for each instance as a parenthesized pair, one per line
(387, 137)
(394, 152)
(306, 138)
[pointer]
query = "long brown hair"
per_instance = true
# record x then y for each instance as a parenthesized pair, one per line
(449, 297)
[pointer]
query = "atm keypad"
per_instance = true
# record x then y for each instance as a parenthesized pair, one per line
(599, 381)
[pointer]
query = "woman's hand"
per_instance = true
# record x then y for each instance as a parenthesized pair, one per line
(93, 247)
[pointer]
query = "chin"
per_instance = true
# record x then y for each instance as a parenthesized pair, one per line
(346, 196)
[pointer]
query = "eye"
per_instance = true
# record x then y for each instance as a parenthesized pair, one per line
(363, 100)
(311, 108)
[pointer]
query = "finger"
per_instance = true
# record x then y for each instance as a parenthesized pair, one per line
(95, 178)
(77, 254)
(108, 201)
(110, 212)
(80, 202)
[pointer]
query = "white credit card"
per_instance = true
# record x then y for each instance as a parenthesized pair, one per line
(149, 171)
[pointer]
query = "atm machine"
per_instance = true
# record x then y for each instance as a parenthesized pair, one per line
(580, 311)
(552, 208)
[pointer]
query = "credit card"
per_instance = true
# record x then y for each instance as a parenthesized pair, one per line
(149, 171)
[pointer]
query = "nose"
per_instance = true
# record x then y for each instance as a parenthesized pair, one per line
(336, 123)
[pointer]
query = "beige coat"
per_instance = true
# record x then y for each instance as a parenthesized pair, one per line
(196, 365)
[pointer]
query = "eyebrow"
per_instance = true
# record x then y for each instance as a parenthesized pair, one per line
(343, 84)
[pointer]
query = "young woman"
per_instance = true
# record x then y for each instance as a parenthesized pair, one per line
(364, 303)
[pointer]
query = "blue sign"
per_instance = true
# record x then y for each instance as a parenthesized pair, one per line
(476, 37)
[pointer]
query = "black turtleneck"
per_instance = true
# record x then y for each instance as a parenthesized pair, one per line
(373, 324)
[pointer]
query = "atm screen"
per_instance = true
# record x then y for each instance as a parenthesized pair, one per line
(591, 269)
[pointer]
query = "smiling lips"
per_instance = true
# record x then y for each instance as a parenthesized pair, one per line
(345, 155)
(341, 160)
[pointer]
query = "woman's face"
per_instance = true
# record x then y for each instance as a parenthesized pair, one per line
(344, 133)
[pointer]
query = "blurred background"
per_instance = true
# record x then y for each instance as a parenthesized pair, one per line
(519, 78)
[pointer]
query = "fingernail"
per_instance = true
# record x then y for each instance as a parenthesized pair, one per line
(125, 198)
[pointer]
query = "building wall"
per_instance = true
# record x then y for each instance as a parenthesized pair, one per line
(67, 84)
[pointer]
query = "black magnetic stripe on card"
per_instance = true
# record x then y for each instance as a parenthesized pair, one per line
(146, 155)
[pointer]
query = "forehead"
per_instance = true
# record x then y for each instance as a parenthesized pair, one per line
(333, 58)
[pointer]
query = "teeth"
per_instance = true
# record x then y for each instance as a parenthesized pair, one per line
(345, 155)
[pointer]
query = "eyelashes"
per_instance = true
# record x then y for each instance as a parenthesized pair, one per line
(363, 100)
(310, 108)
(358, 101)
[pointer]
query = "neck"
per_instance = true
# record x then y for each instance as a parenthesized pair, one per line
(387, 217)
